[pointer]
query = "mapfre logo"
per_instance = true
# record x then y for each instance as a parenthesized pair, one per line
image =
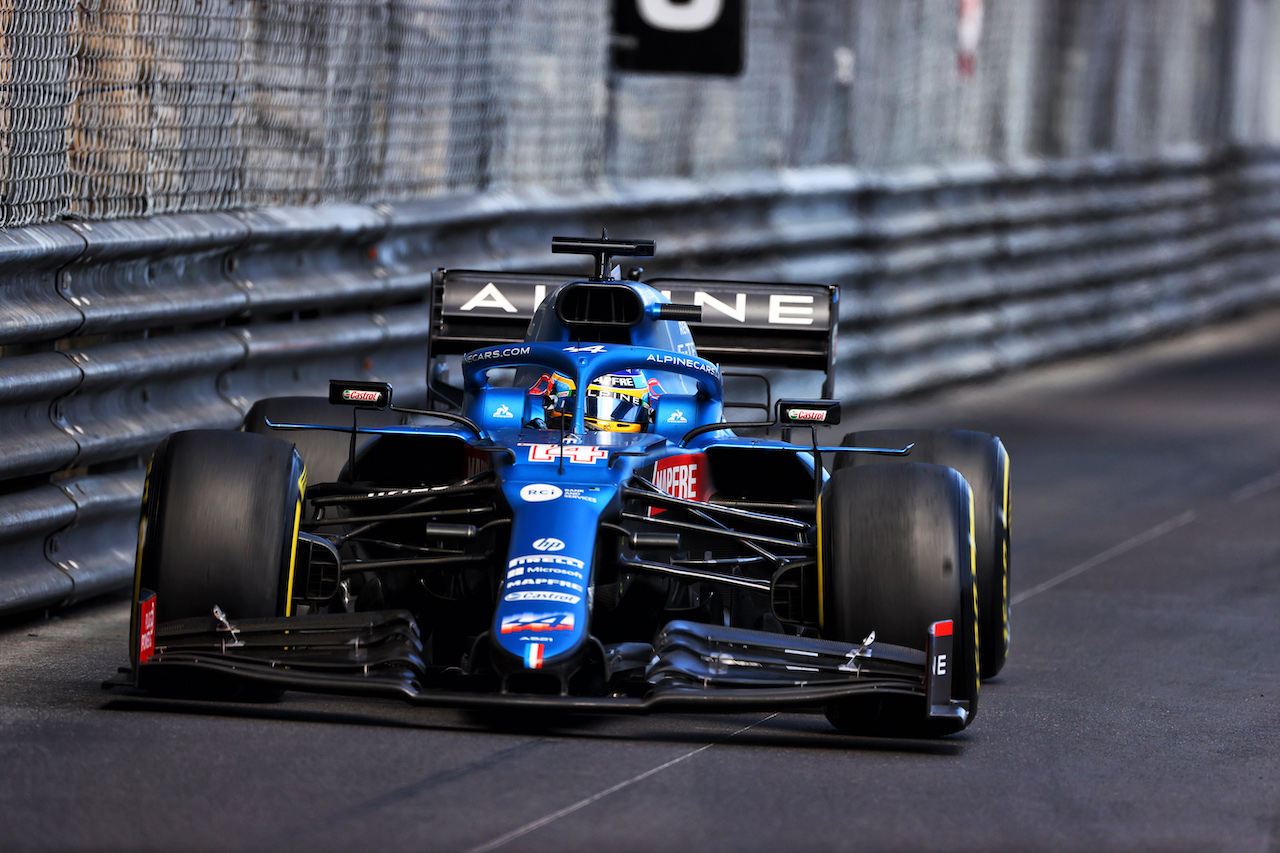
(679, 481)
(548, 544)
(683, 477)
(477, 461)
(539, 492)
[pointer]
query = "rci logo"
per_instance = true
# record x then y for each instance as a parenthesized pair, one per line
(539, 492)
(548, 544)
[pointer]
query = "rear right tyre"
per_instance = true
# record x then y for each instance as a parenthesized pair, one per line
(325, 452)
(982, 460)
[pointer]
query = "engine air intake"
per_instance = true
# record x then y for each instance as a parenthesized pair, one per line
(599, 304)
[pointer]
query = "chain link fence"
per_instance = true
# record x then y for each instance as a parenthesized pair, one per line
(128, 108)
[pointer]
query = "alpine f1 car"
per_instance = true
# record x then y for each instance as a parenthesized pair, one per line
(573, 522)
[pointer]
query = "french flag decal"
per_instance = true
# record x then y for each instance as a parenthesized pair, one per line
(533, 656)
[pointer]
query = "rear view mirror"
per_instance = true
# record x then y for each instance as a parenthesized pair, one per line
(808, 412)
(373, 395)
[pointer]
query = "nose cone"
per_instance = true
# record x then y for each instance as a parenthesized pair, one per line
(543, 617)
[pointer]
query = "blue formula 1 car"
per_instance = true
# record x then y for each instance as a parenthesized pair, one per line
(577, 524)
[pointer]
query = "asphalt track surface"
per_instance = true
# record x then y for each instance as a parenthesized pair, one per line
(1139, 710)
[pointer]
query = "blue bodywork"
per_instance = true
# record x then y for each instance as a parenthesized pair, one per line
(559, 485)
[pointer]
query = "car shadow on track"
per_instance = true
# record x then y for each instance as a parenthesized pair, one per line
(793, 730)
(268, 711)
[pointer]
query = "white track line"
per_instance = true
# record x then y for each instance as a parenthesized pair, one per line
(1257, 487)
(1244, 493)
(543, 821)
(1128, 545)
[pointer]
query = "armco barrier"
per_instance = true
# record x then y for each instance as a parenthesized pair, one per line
(114, 334)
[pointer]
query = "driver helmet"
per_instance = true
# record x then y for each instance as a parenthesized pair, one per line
(556, 391)
(615, 402)
(620, 402)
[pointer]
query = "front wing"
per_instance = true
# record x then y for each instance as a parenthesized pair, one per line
(693, 666)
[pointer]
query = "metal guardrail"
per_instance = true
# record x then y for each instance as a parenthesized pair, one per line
(114, 334)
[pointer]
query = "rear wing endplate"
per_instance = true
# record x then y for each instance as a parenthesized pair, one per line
(744, 323)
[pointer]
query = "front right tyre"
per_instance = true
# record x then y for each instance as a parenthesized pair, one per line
(896, 555)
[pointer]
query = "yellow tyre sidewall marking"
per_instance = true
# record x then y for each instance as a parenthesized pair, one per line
(973, 582)
(1005, 547)
(293, 545)
(822, 614)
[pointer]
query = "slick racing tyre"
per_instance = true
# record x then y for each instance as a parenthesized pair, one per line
(894, 558)
(220, 520)
(982, 459)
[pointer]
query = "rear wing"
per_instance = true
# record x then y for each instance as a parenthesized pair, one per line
(744, 323)
(760, 324)
(472, 309)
